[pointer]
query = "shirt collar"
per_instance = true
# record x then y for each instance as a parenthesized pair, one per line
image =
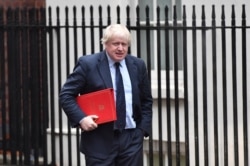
(111, 62)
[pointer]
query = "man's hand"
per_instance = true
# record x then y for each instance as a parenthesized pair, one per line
(88, 123)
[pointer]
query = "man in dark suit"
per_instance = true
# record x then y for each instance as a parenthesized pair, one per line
(111, 144)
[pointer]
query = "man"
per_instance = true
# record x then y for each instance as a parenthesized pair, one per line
(109, 144)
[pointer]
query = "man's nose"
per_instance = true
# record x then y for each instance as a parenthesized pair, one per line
(120, 46)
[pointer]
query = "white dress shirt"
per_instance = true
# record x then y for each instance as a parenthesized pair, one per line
(130, 123)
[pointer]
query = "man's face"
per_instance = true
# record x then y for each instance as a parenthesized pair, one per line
(117, 48)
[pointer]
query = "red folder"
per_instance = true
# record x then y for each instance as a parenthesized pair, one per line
(100, 103)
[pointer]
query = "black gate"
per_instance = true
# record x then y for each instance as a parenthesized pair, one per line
(38, 51)
(24, 96)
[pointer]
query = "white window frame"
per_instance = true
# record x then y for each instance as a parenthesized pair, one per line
(154, 75)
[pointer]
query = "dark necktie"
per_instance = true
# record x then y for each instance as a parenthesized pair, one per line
(120, 99)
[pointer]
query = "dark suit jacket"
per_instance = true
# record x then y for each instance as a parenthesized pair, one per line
(92, 73)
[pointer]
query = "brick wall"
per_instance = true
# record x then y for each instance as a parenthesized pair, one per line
(22, 3)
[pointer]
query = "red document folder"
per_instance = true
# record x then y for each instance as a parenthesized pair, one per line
(100, 103)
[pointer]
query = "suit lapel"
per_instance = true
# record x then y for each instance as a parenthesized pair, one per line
(132, 70)
(104, 70)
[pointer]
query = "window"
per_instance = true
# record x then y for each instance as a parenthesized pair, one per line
(156, 43)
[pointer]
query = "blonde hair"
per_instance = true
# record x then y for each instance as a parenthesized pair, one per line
(116, 30)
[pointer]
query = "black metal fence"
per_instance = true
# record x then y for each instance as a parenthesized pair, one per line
(199, 77)
(23, 73)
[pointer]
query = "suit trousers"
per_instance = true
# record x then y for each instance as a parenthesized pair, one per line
(127, 150)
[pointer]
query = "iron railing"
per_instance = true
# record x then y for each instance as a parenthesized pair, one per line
(200, 91)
